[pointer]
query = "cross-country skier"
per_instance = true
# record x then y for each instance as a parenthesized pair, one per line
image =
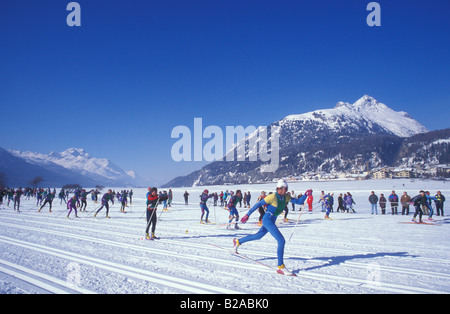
(10, 195)
(234, 200)
(152, 203)
(39, 196)
(225, 196)
(327, 203)
(96, 193)
(276, 204)
(17, 196)
(170, 199)
(418, 201)
(48, 200)
(62, 196)
(123, 200)
(105, 202)
(203, 199)
(77, 195)
(72, 204)
(430, 207)
(83, 199)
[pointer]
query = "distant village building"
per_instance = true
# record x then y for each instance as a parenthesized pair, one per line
(404, 174)
(382, 174)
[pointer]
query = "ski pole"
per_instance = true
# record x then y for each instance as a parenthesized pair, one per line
(153, 212)
(94, 210)
(159, 217)
(301, 212)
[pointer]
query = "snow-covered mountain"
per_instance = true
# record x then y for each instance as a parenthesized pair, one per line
(366, 115)
(78, 165)
(343, 138)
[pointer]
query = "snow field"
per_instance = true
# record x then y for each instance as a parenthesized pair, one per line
(353, 253)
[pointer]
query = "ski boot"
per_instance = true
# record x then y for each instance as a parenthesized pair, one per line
(282, 270)
(236, 245)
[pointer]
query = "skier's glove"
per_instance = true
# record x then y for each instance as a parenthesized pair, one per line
(309, 192)
(244, 219)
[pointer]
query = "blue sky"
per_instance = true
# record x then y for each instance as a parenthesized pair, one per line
(134, 70)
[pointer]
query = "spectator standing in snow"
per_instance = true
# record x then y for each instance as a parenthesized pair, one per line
(393, 199)
(373, 200)
(349, 202)
(382, 202)
(186, 197)
(221, 198)
(405, 200)
(340, 203)
(439, 202)
(321, 200)
(249, 197)
(331, 201)
(293, 196)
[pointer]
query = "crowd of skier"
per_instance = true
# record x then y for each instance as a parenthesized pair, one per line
(78, 202)
(269, 206)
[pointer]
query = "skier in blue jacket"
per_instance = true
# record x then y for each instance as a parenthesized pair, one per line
(276, 204)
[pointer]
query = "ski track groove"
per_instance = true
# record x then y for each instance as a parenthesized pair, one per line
(126, 270)
(137, 226)
(40, 280)
(204, 246)
(387, 287)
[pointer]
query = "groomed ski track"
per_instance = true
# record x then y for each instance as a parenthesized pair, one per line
(112, 258)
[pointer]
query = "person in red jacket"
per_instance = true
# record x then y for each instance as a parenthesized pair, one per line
(309, 200)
